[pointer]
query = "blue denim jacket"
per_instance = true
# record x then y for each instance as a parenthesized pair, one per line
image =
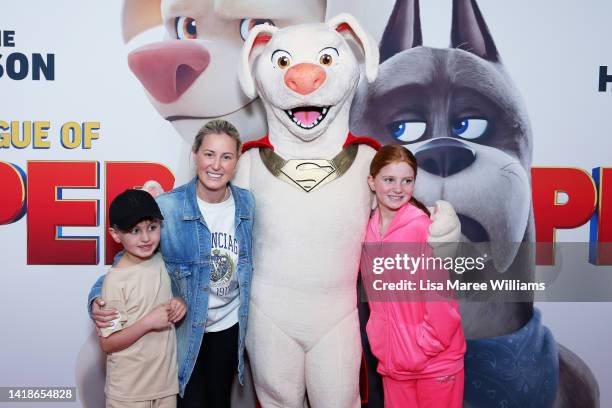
(186, 246)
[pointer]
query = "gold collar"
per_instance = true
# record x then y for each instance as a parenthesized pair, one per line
(308, 174)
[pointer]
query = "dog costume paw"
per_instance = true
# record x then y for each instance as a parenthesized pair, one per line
(445, 229)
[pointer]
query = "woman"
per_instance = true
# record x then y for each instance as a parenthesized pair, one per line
(206, 244)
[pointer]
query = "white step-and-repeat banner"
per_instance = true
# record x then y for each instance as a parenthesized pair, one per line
(97, 97)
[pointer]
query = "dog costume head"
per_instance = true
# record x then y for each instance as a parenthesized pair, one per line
(306, 76)
(460, 113)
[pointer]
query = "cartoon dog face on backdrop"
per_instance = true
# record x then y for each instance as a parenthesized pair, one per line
(459, 112)
(191, 76)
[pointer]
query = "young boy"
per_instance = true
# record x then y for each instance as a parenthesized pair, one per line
(141, 368)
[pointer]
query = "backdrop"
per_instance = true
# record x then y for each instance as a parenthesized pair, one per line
(78, 125)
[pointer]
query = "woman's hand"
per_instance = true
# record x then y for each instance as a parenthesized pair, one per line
(102, 317)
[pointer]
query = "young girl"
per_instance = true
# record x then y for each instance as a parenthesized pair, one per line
(419, 343)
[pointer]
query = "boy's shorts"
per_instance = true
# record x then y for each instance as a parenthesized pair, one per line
(166, 402)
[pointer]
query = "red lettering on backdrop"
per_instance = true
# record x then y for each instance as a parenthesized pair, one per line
(123, 175)
(600, 250)
(48, 212)
(12, 204)
(550, 214)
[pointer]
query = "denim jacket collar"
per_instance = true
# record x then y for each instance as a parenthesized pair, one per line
(191, 211)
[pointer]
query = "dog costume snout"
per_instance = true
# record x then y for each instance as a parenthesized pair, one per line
(168, 68)
(445, 156)
(305, 78)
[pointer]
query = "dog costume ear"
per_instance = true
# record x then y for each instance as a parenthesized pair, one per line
(259, 36)
(403, 29)
(470, 32)
(346, 23)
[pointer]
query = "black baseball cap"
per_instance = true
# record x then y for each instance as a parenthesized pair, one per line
(132, 206)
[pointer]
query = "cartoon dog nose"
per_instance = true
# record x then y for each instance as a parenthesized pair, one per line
(445, 156)
(168, 68)
(305, 78)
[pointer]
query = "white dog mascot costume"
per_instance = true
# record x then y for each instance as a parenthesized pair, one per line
(308, 176)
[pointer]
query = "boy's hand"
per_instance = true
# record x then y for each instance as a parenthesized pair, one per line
(102, 317)
(157, 319)
(178, 308)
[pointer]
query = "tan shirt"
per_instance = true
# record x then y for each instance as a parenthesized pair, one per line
(147, 369)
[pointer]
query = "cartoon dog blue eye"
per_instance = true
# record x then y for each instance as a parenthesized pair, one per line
(186, 28)
(469, 128)
(407, 131)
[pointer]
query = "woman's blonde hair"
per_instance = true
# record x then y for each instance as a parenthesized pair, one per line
(217, 126)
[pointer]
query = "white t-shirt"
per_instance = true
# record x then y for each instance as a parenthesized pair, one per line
(223, 300)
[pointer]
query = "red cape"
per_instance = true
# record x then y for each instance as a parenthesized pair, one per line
(264, 142)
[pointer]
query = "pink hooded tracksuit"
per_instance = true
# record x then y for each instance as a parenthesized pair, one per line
(419, 344)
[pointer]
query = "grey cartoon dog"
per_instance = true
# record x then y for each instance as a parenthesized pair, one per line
(458, 110)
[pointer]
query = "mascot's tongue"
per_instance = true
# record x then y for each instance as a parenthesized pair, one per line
(306, 116)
